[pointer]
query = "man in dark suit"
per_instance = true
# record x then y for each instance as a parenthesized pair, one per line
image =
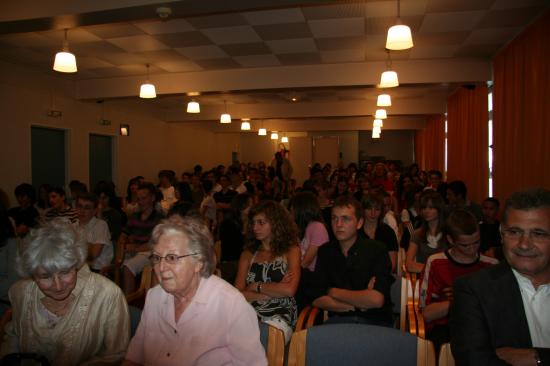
(501, 315)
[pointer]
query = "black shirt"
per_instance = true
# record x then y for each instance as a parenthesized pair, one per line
(232, 240)
(366, 259)
(385, 234)
(27, 216)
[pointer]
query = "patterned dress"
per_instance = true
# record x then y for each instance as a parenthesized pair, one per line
(280, 312)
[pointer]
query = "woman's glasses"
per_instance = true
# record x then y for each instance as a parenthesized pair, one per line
(168, 258)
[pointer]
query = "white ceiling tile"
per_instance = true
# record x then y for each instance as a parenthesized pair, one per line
(170, 26)
(375, 9)
(178, 66)
(74, 35)
(138, 43)
(257, 60)
(451, 22)
(123, 58)
(277, 16)
(490, 35)
(299, 45)
(232, 35)
(343, 56)
(91, 63)
(419, 52)
(324, 28)
(202, 52)
(30, 40)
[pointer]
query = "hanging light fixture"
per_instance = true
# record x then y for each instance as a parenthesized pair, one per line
(399, 36)
(64, 60)
(245, 124)
(380, 114)
(375, 135)
(377, 130)
(147, 90)
(388, 79)
(378, 123)
(262, 132)
(274, 135)
(284, 139)
(383, 100)
(193, 107)
(225, 117)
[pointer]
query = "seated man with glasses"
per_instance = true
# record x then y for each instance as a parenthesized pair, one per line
(502, 314)
(442, 269)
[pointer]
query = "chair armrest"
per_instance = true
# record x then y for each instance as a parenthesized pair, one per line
(302, 318)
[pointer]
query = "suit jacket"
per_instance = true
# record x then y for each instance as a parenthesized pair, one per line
(487, 313)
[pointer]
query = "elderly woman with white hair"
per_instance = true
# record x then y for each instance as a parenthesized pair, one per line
(192, 317)
(62, 310)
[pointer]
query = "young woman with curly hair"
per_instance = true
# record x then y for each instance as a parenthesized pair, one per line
(269, 268)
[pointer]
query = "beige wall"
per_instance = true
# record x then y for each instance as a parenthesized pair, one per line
(393, 145)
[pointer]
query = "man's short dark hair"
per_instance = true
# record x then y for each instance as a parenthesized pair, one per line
(461, 222)
(347, 201)
(148, 186)
(59, 190)
(529, 199)
(492, 200)
(90, 197)
(435, 172)
(25, 189)
(458, 187)
(207, 185)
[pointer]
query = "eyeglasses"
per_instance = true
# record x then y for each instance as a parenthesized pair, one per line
(169, 258)
(47, 279)
(536, 235)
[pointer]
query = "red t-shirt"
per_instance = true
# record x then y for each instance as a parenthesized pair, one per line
(440, 272)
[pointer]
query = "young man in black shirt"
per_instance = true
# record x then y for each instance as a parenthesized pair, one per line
(353, 274)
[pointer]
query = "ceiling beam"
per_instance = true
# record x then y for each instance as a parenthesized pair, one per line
(329, 75)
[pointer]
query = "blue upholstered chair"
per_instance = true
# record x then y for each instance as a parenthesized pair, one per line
(358, 344)
(273, 341)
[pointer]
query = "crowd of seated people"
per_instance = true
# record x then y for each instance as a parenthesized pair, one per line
(331, 243)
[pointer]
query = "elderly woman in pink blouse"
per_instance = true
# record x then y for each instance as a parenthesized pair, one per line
(192, 317)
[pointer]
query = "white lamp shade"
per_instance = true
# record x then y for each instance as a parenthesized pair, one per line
(65, 62)
(375, 135)
(377, 130)
(380, 114)
(225, 118)
(378, 123)
(388, 79)
(147, 91)
(193, 107)
(284, 139)
(262, 132)
(245, 126)
(274, 135)
(399, 38)
(384, 100)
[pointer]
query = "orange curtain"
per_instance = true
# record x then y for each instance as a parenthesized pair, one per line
(429, 144)
(467, 140)
(522, 111)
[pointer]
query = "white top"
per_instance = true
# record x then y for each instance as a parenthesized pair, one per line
(536, 304)
(218, 327)
(389, 219)
(97, 232)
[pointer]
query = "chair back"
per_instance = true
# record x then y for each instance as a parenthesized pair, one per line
(358, 344)
(446, 356)
(273, 341)
(26, 359)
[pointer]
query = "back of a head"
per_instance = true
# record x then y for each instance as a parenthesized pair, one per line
(461, 222)
(25, 189)
(305, 207)
(373, 200)
(530, 199)
(458, 187)
(431, 198)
